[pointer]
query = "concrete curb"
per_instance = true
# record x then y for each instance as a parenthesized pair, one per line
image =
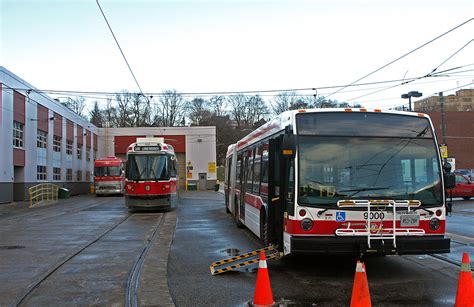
(154, 288)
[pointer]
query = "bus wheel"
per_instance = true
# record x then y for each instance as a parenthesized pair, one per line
(466, 197)
(264, 228)
(236, 215)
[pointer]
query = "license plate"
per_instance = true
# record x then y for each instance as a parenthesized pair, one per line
(409, 220)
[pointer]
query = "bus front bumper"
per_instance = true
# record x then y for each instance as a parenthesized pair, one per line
(356, 245)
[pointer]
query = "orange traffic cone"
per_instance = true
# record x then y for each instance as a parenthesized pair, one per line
(360, 290)
(263, 292)
(465, 293)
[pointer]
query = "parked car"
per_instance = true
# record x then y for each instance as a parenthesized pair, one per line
(464, 188)
(465, 172)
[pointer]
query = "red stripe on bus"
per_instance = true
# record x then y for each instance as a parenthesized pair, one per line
(329, 227)
(253, 200)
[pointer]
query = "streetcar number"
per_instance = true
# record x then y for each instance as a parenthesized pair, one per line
(409, 220)
(374, 215)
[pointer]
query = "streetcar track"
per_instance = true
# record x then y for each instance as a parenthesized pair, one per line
(36, 284)
(133, 282)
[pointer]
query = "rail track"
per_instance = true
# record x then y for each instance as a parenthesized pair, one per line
(133, 282)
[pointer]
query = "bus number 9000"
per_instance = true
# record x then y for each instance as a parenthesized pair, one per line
(374, 215)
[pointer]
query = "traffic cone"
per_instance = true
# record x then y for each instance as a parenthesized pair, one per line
(465, 293)
(360, 290)
(263, 292)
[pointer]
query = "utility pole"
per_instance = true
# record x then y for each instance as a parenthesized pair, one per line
(443, 128)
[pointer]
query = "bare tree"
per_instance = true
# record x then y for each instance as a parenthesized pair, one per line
(198, 111)
(218, 105)
(76, 104)
(283, 101)
(237, 108)
(124, 109)
(140, 110)
(170, 110)
(109, 114)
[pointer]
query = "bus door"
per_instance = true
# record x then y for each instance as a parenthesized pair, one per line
(276, 201)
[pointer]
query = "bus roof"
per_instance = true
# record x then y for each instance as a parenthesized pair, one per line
(148, 145)
(111, 160)
(286, 118)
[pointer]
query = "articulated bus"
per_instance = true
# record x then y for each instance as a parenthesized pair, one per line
(151, 177)
(341, 181)
(109, 176)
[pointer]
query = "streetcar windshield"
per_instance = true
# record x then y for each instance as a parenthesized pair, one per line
(340, 161)
(148, 167)
(107, 171)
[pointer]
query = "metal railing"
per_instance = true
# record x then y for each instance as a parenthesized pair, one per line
(43, 192)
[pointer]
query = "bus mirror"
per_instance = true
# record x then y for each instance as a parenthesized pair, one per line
(288, 147)
(449, 180)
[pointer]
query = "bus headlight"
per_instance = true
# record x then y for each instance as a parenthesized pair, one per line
(434, 224)
(306, 224)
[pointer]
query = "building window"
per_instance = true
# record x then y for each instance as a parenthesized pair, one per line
(88, 154)
(79, 175)
(41, 172)
(41, 139)
(88, 176)
(56, 173)
(57, 143)
(69, 174)
(68, 147)
(17, 134)
(79, 153)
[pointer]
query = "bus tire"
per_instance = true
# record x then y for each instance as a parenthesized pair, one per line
(264, 228)
(237, 221)
(466, 197)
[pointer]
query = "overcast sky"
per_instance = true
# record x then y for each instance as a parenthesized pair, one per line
(212, 46)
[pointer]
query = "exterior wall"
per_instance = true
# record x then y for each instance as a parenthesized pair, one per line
(199, 147)
(39, 113)
(459, 136)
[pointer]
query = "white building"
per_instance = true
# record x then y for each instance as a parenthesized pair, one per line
(195, 148)
(43, 141)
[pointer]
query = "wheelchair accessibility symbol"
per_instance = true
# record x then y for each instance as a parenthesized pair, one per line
(340, 216)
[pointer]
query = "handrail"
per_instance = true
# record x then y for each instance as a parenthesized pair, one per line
(43, 192)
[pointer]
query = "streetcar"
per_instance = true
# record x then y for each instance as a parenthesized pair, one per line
(151, 176)
(341, 181)
(109, 176)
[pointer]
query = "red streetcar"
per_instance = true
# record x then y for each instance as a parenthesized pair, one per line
(151, 177)
(109, 176)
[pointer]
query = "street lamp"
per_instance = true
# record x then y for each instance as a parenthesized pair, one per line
(409, 95)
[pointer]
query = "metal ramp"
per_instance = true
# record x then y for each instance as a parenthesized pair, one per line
(239, 261)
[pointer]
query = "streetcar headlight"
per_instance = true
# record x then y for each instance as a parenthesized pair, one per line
(306, 224)
(434, 224)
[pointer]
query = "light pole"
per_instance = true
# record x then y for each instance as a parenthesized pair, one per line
(409, 95)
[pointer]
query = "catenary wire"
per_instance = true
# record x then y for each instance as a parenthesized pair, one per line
(401, 57)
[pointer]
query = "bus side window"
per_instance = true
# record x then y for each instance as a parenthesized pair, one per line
(257, 171)
(239, 171)
(291, 181)
(249, 170)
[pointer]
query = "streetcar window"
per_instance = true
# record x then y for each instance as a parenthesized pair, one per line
(172, 166)
(148, 167)
(256, 174)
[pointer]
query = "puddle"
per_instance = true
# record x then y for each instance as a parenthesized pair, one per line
(12, 247)
(231, 251)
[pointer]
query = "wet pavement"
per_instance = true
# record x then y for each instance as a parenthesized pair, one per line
(205, 233)
(196, 233)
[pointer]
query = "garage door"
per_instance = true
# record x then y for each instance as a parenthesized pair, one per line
(181, 169)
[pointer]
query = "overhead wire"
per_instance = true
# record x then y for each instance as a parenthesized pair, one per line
(404, 55)
(430, 74)
(120, 48)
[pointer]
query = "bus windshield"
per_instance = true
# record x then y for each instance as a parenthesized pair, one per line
(147, 167)
(340, 161)
(107, 171)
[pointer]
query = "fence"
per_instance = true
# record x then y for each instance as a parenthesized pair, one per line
(43, 192)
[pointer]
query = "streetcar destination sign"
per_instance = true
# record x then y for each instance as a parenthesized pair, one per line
(148, 148)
